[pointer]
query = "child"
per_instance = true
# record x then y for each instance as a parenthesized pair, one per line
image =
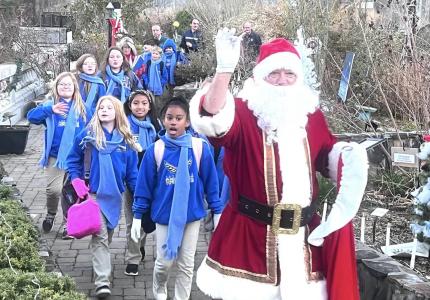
(169, 54)
(91, 86)
(63, 116)
(142, 116)
(119, 79)
(156, 76)
(129, 49)
(172, 188)
(139, 67)
(113, 166)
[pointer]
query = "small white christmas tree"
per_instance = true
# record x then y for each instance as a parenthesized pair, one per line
(421, 202)
(310, 76)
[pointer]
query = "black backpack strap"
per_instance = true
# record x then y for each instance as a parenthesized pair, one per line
(87, 161)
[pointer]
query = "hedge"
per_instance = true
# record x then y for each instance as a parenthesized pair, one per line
(22, 270)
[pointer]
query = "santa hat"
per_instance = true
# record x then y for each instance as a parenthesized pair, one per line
(278, 54)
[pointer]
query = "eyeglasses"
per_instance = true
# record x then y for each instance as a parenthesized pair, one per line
(65, 84)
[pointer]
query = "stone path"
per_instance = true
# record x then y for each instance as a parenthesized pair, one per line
(72, 257)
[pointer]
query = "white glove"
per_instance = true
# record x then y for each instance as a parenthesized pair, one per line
(216, 220)
(135, 229)
(227, 50)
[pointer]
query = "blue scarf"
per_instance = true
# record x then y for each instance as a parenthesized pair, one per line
(95, 82)
(115, 80)
(108, 194)
(66, 139)
(154, 84)
(181, 193)
(147, 133)
(171, 65)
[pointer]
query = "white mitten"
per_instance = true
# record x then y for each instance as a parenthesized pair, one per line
(216, 220)
(227, 50)
(135, 229)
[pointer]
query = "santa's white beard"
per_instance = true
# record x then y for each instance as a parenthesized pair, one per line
(279, 107)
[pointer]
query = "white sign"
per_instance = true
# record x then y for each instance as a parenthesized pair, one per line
(405, 250)
(69, 37)
(379, 212)
(404, 157)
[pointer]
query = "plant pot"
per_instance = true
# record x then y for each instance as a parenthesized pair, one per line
(13, 138)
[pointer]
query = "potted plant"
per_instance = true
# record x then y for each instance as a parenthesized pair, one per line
(13, 137)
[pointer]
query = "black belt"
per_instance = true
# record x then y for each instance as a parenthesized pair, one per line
(284, 218)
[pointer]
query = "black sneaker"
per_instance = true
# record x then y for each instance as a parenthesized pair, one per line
(48, 223)
(142, 251)
(65, 236)
(131, 270)
(103, 292)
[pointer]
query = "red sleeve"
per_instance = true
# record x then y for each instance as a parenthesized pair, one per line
(339, 264)
(322, 139)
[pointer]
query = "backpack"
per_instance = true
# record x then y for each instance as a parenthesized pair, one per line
(197, 149)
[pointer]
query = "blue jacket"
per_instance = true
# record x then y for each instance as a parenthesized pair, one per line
(154, 190)
(124, 162)
(40, 113)
(164, 76)
(84, 94)
(131, 83)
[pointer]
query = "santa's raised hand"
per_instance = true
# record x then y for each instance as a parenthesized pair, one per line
(227, 50)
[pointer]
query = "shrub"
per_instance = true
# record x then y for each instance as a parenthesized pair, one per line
(18, 238)
(46, 285)
(22, 273)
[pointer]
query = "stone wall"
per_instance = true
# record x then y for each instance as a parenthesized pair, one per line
(17, 101)
(383, 278)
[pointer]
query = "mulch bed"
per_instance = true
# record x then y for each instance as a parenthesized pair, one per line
(399, 215)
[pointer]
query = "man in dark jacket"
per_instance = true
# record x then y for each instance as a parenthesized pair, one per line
(192, 38)
(251, 42)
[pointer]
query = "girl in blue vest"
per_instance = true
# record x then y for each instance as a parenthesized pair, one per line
(113, 168)
(117, 75)
(171, 184)
(144, 124)
(91, 86)
(63, 115)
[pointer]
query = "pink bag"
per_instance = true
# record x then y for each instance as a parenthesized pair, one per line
(83, 219)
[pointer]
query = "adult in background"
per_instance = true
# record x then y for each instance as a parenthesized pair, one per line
(192, 38)
(129, 49)
(157, 34)
(270, 242)
(251, 42)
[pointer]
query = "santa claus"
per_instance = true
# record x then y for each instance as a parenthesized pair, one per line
(270, 242)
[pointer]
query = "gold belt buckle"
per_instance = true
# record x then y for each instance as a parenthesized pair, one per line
(276, 219)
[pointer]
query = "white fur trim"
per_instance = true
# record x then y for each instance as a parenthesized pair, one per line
(352, 186)
(212, 126)
(219, 286)
(279, 60)
(333, 160)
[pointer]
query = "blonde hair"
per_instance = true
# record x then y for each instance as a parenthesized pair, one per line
(121, 124)
(157, 49)
(79, 103)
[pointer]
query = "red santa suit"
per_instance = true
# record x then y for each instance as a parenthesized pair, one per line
(248, 258)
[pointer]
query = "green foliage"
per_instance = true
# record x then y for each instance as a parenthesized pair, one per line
(202, 64)
(94, 43)
(393, 183)
(19, 243)
(5, 192)
(184, 18)
(327, 190)
(46, 285)
(18, 238)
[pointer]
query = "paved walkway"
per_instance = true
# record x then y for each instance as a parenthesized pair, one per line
(72, 257)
